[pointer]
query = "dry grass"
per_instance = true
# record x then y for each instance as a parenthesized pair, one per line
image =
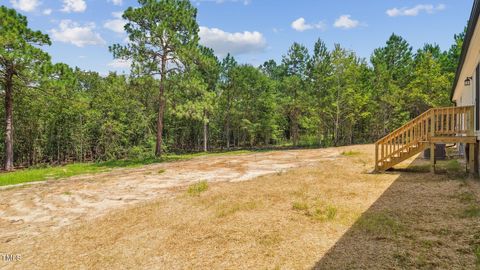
(333, 215)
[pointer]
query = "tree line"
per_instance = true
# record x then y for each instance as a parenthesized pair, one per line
(179, 97)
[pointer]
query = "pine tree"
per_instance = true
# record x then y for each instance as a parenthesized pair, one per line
(19, 57)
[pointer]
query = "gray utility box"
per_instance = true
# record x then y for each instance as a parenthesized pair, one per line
(440, 152)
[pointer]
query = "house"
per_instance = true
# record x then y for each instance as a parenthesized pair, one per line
(459, 124)
(466, 87)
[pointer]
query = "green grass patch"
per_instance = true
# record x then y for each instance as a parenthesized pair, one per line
(161, 171)
(269, 240)
(379, 223)
(300, 206)
(326, 213)
(59, 172)
(351, 153)
(197, 188)
(319, 211)
(476, 252)
(129, 163)
(475, 247)
(224, 210)
(467, 198)
(471, 211)
(453, 166)
(402, 258)
(49, 173)
(454, 169)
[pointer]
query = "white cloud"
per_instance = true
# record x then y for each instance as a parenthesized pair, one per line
(116, 25)
(116, 2)
(74, 6)
(414, 11)
(76, 34)
(47, 11)
(245, 2)
(301, 25)
(346, 22)
(120, 64)
(25, 5)
(235, 43)
(117, 15)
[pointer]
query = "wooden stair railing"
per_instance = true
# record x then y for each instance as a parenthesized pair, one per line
(416, 135)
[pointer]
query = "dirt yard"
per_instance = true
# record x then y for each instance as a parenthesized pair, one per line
(277, 210)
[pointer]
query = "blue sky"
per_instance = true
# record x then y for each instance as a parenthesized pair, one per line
(253, 30)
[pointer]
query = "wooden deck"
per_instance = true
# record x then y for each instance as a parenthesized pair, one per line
(435, 126)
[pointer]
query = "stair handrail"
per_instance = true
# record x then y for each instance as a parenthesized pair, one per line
(420, 129)
(418, 118)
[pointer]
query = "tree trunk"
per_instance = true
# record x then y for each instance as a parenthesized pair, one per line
(8, 166)
(227, 131)
(205, 132)
(337, 119)
(161, 107)
(161, 112)
(205, 137)
(81, 138)
(294, 127)
(337, 127)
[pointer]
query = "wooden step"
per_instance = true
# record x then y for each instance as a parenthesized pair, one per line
(401, 156)
(437, 125)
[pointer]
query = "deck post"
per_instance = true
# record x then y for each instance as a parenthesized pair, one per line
(432, 157)
(471, 126)
(471, 158)
(432, 144)
(435, 126)
(475, 161)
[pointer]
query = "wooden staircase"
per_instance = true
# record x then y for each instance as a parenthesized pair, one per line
(437, 125)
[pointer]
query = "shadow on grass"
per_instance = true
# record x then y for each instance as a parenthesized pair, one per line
(452, 168)
(419, 222)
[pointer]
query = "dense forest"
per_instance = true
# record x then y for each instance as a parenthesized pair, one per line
(179, 97)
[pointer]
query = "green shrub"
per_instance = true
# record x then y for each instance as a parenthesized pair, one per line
(140, 153)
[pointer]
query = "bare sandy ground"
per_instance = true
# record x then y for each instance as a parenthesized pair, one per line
(35, 209)
(314, 209)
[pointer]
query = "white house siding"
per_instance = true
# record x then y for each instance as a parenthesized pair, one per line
(465, 95)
